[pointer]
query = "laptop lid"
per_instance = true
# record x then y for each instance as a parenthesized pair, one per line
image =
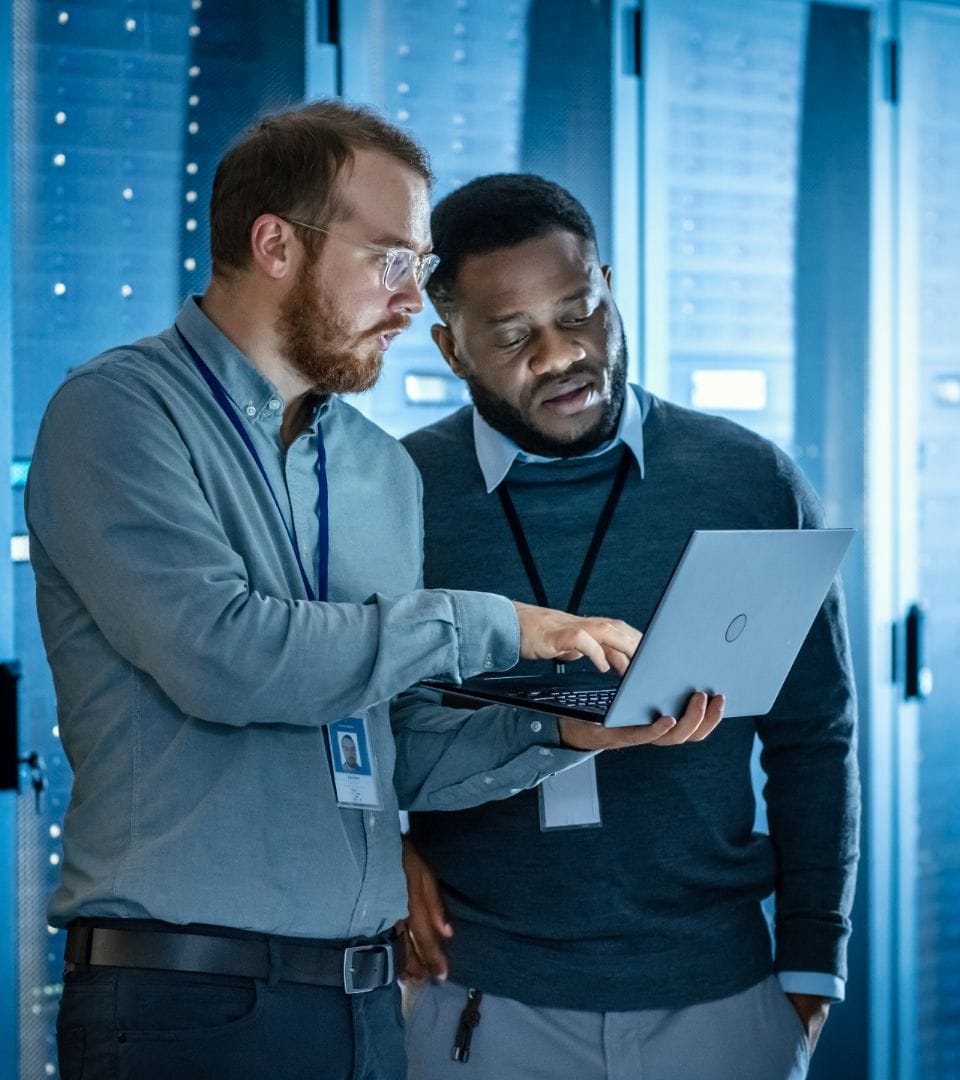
(731, 621)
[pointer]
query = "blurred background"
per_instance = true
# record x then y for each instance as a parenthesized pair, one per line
(775, 183)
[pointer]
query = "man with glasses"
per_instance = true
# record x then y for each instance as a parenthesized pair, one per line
(228, 563)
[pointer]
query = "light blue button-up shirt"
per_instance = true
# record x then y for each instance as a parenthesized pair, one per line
(194, 677)
(496, 455)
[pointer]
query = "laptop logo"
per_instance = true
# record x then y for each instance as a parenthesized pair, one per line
(735, 629)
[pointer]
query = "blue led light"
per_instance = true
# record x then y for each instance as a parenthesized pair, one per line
(19, 468)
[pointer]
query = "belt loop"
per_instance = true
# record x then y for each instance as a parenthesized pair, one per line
(77, 950)
(275, 960)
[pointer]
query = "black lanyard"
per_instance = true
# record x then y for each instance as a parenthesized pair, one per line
(599, 534)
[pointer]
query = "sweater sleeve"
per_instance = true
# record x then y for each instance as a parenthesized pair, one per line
(812, 791)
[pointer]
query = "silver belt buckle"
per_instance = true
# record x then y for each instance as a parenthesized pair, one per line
(348, 971)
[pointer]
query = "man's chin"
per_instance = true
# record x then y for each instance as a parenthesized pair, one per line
(564, 440)
(353, 376)
(568, 429)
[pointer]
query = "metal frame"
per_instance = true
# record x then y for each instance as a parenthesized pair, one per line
(904, 716)
(882, 784)
(9, 1018)
(627, 173)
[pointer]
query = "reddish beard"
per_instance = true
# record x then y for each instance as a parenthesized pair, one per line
(316, 341)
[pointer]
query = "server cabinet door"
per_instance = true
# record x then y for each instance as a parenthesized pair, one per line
(928, 586)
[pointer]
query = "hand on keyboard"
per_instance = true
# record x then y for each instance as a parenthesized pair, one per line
(546, 634)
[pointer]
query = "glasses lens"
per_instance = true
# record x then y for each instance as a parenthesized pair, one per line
(398, 265)
(428, 264)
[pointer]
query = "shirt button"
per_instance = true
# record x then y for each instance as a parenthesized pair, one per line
(546, 752)
(488, 779)
(274, 404)
(535, 726)
(488, 662)
(251, 410)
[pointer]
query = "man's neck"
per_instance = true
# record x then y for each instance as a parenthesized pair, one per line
(248, 321)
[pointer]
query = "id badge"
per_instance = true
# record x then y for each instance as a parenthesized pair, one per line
(569, 799)
(352, 763)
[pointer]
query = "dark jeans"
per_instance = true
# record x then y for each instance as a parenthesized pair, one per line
(134, 1024)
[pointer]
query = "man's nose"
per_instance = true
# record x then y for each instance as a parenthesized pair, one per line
(409, 297)
(555, 352)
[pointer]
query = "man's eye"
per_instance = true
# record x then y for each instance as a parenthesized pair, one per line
(512, 343)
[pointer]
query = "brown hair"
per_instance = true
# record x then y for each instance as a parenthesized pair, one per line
(288, 164)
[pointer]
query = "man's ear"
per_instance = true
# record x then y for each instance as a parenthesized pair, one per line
(607, 272)
(271, 245)
(444, 341)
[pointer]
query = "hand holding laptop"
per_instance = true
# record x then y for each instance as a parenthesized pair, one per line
(546, 634)
(701, 716)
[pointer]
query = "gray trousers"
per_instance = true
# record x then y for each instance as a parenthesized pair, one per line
(755, 1035)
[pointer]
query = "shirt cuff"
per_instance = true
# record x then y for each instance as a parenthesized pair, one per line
(817, 983)
(488, 632)
(530, 753)
(542, 731)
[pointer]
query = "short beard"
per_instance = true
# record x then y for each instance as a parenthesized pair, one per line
(313, 335)
(509, 421)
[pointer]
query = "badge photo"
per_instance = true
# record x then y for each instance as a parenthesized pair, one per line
(352, 763)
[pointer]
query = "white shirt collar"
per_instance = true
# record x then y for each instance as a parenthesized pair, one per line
(496, 453)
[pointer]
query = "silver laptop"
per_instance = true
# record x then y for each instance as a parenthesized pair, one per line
(731, 621)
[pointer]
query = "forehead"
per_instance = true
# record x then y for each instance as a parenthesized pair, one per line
(386, 199)
(544, 270)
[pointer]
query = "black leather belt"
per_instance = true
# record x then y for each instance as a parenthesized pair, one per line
(354, 968)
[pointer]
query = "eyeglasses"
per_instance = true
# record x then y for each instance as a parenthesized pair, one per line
(397, 262)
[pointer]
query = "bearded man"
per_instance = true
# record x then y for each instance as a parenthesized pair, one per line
(228, 563)
(631, 942)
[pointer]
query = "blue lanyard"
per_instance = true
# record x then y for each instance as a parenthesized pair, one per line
(323, 544)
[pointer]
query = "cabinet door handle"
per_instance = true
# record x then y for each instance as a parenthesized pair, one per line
(918, 678)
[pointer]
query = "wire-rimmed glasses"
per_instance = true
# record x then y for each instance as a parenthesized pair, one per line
(397, 261)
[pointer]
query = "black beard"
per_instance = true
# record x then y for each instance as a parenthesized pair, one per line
(509, 421)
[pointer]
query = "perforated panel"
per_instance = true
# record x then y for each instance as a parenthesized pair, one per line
(723, 114)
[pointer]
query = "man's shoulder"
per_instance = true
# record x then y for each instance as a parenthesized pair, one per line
(680, 429)
(139, 368)
(736, 459)
(432, 444)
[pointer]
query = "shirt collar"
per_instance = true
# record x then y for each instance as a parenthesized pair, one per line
(496, 453)
(255, 397)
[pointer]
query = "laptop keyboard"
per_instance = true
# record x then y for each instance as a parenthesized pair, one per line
(597, 701)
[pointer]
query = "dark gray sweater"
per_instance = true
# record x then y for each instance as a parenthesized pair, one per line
(659, 908)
